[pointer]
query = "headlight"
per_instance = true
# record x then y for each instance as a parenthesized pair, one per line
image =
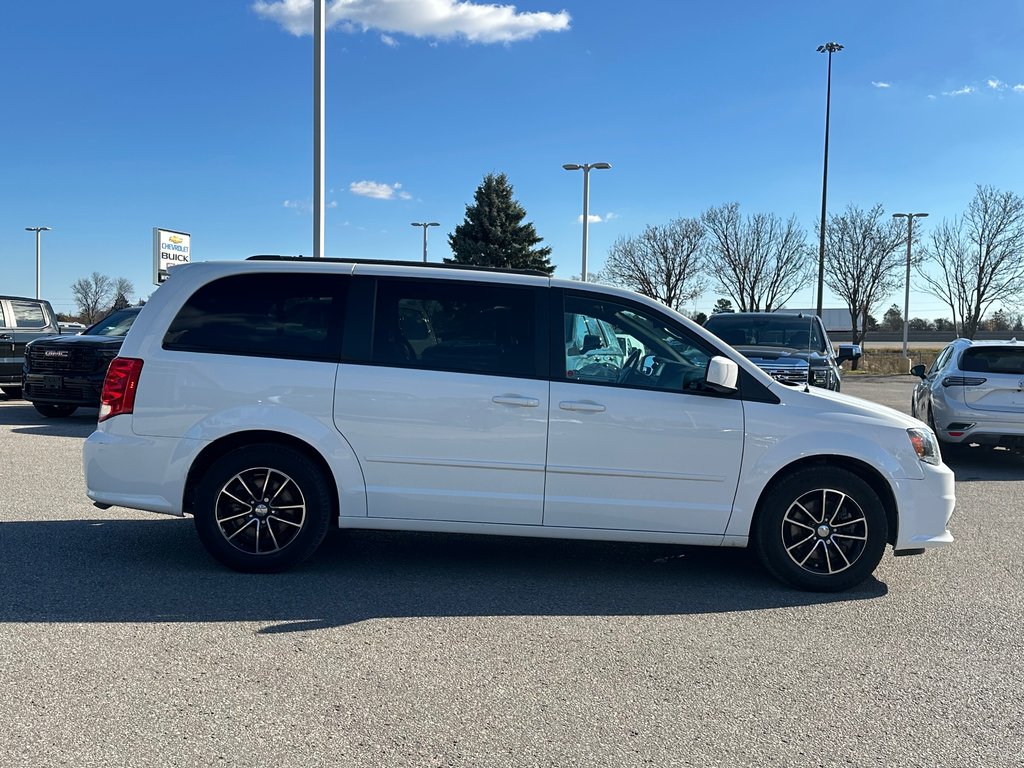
(925, 445)
(821, 375)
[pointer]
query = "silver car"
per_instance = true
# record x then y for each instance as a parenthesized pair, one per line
(974, 393)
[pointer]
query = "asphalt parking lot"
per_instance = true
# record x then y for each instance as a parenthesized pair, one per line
(123, 643)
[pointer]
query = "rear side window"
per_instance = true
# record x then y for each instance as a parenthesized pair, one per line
(454, 326)
(289, 316)
(3, 320)
(28, 314)
(994, 360)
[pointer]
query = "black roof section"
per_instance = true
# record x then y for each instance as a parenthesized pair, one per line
(399, 263)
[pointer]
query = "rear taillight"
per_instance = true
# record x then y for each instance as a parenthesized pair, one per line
(119, 386)
(963, 381)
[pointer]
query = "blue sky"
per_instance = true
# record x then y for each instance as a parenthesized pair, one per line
(196, 115)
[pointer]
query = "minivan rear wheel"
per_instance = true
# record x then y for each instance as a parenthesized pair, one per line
(821, 529)
(262, 509)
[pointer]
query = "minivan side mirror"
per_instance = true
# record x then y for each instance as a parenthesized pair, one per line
(848, 352)
(918, 370)
(721, 374)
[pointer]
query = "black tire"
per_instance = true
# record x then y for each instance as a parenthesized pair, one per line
(54, 410)
(13, 393)
(262, 509)
(815, 551)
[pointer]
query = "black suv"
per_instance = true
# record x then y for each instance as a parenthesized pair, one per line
(64, 373)
(21, 320)
(794, 349)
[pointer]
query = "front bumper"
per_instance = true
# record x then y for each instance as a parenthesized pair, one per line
(925, 508)
(63, 389)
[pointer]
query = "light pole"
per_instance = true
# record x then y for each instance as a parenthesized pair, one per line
(586, 167)
(38, 231)
(319, 55)
(906, 294)
(828, 48)
(425, 224)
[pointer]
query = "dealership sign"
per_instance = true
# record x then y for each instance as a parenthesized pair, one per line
(170, 249)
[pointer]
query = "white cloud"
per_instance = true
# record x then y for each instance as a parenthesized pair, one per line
(965, 91)
(879, 84)
(995, 84)
(306, 205)
(430, 19)
(594, 218)
(389, 41)
(1019, 88)
(378, 190)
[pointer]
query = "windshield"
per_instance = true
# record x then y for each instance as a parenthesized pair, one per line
(785, 331)
(114, 324)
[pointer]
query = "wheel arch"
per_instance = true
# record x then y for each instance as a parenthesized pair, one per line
(224, 445)
(863, 470)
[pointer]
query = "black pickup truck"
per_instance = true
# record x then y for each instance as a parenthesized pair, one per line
(63, 373)
(792, 348)
(21, 320)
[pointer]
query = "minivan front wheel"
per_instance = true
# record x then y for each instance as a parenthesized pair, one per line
(821, 529)
(262, 508)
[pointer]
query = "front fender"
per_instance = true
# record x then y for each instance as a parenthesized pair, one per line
(772, 444)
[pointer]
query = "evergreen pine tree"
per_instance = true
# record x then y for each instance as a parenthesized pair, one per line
(493, 233)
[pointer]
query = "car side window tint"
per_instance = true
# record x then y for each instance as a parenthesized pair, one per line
(28, 314)
(3, 321)
(941, 360)
(290, 316)
(455, 326)
(624, 346)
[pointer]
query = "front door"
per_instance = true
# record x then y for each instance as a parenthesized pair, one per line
(10, 366)
(635, 440)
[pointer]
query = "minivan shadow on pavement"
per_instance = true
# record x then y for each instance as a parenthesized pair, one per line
(26, 420)
(156, 571)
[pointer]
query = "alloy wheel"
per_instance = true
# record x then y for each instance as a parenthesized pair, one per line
(825, 531)
(260, 511)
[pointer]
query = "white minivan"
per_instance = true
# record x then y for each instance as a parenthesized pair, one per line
(276, 397)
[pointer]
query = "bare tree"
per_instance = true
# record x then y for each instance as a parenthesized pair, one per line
(761, 261)
(123, 287)
(978, 258)
(99, 294)
(866, 252)
(92, 295)
(662, 262)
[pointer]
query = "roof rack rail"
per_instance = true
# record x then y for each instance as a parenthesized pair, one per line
(398, 263)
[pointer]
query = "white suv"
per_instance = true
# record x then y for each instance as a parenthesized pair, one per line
(276, 397)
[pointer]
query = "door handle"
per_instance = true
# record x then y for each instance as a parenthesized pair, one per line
(581, 405)
(522, 402)
(5, 337)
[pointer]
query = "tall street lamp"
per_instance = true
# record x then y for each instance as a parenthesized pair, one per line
(586, 167)
(828, 48)
(425, 224)
(38, 231)
(906, 294)
(319, 58)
